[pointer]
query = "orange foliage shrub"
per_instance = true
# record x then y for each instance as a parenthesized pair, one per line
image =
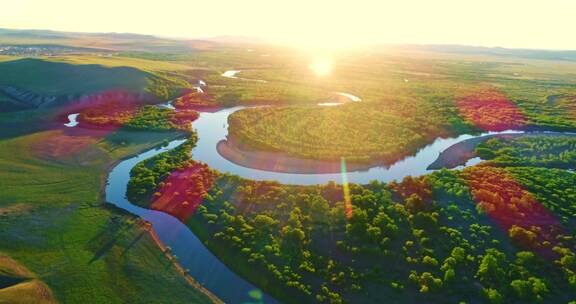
(114, 109)
(490, 110)
(183, 190)
(514, 209)
(183, 118)
(109, 110)
(195, 101)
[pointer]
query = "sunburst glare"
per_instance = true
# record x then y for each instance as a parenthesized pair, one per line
(321, 66)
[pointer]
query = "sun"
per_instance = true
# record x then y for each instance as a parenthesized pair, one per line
(322, 66)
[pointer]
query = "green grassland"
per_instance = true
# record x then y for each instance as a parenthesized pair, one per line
(54, 78)
(406, 102)
(121, 61)
(20, 285)
(53, 221)
(6, 58)
(78, 75)
(8, 105)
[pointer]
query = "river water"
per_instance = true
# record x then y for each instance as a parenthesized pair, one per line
(72, 120)
(204, 267)
(192, 254)
(212, 128)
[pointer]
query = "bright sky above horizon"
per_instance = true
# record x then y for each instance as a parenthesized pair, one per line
(541, 24)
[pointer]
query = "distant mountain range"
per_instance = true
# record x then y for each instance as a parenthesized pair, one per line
(568, 55)
(102, 41)
(149, 43)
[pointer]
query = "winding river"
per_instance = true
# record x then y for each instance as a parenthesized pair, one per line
(206, 268)
(232, 74)
(192, 254)
(203, 266)
(213, 127)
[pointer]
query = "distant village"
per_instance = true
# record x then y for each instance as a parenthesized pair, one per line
(40, 50)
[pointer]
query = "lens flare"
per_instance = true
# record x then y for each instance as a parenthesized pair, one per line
(322, 66)
(346, 189)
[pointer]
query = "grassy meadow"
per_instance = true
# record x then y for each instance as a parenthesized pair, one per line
(55, 223)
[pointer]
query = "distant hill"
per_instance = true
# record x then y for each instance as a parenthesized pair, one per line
(237, 40)
(148, 43)
(57, 78)
(102, 41)
(498, 51)
(61, 80)
(33, 83)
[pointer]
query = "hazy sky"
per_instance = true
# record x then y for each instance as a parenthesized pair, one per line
(509, 23)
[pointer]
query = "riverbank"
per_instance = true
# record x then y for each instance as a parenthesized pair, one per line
(62, 194)
(274, 161)
(170, 136)
(281, 162)
(193, 283)
(249, 272)
(193, 255)
(459, 153)
(212, 128)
